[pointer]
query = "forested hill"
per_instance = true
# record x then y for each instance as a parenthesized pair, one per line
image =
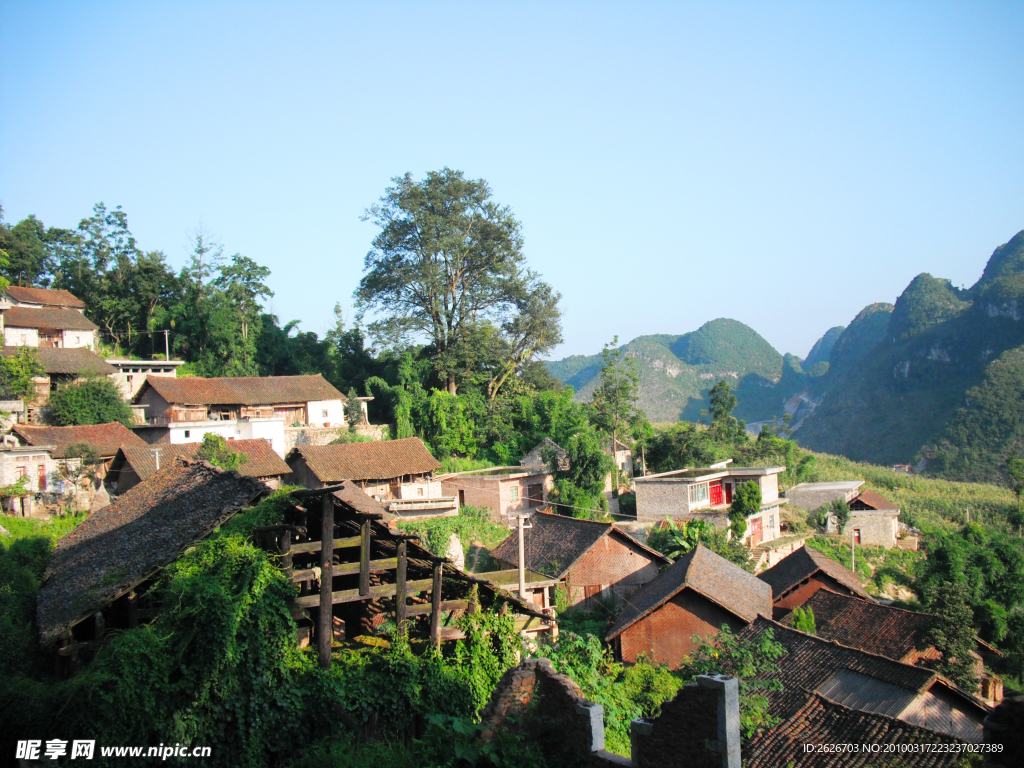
(939, 376)
(676, 371)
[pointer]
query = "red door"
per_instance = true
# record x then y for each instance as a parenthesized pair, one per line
(716, 495)
(728, 493)
(755, 532)
(856, 535)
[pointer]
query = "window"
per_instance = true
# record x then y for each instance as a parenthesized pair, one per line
(187, 432)
(419, 491)
(513, 493)
(771, 521)
(698, 493)
(129, 378)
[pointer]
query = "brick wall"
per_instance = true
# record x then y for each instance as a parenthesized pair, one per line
(877, 527)
(612, 567)
(666, 635)
(802, 594)
(658, 499)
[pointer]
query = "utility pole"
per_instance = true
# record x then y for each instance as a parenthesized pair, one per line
(853, 550)
(167, 345)
(522, 559)
(156, 456)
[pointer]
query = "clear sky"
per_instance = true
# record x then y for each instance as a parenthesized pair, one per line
(783, 164)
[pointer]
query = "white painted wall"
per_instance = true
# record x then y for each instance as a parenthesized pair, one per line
(268, 429)
(76, 339)
(242, 429)
(335, 410)
(21, 337)
(413, 491)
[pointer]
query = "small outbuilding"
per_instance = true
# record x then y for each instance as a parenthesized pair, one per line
(874, 520)
(690, 601)
(501, 490)
(803, 573)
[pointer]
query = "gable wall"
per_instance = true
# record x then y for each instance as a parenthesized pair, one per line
(803, 593)
(666, 635)
(156, 406)
(612, 568)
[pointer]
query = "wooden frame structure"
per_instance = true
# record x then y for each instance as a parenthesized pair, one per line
(346, 561)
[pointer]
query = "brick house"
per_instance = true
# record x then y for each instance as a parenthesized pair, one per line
(690, 601)
(135, 463)
(874, 520)
(590, 559)
(45, 318)
(61, 366)
(705, 494)
(502, 490)
(106, 439)
(399, 473)
(803, 573)
(888, 631)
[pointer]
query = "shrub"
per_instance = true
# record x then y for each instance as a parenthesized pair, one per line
(92, 401)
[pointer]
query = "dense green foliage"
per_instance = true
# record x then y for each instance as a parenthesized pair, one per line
(90, 401)
(579, 490)
(803, 620)
(952, 632)
(676, 539)
(216, 450)
(17, 372)
(746, 501)
(472, 525)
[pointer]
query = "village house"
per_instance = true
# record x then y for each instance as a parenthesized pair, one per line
(892, 632)
(535, 456)
(136, 463)
(705, 494)
(130, 375)
(810, 496)
(865, 682)
(874, 520)
(32, 462)
(692, 600)
(398, 473)
(45, 318)
(105, 439)
(803, 573)
(501, 490)
(60, 366)
(590, 560)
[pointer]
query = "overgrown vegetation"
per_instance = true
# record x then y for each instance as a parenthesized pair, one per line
(94, 400)
(216, 450)
(473, 525)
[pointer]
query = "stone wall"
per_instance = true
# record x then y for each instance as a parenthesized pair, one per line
(658, 499)
(877, 527)
(294, 436)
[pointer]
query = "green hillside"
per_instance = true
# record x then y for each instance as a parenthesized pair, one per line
(938, 377)
(823, 347)
(676, 371)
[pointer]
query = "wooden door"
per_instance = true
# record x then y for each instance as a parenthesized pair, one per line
(42, 478)
(755, 532)
(716, 495)
(728, 493)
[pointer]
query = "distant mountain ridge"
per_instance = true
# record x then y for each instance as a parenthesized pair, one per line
(936, 378)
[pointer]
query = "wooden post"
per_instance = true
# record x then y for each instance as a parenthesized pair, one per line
(99, 624)
(364, 559)
(435, 606)
(325, 628)
(284, 548)
(522, 559)
(400, 588)
(133, 610)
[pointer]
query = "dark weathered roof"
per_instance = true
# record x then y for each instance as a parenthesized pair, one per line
(821, 721)
(535, 456)
(242, 390)
(66, 360)
(554, 543)
(708, 574)
(874, 500)
(105, 438)
(803, 564)
(123, 544)
(47, 296)
(355, 497)
(263, 461)
(810, 662)
(377, 460)
(865, 624)
(48, 317)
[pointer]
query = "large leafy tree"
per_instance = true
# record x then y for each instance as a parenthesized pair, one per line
(92, 401)
(446, 265)
(615, 399)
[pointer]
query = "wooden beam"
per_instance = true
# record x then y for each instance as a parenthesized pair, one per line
(307, 547)
(452, 633)
(350, 569)
(446, 605)
(435, 606)
(364, 558)
(400, 585)
(133, 610)
(284, 549)
(352, 595)
(325, 623)
(312, 493)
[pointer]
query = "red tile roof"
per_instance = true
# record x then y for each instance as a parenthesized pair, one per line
(48, 317)
(45, 296)
(803, 564)
(242, 390)
(708, 574)
(66, 360)
(867, 625)
(554, 543)
(123, 544)
(377, 460)
(105, 438)
(874, 500)
(821, 721)
(263, 461)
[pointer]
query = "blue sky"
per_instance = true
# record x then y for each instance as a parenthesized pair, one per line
(783, 164)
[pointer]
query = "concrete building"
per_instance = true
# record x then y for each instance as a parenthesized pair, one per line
(592, 560)
(690, 601)
(105, 439)
(502, 490)
(810, 496)
(690, 494)
(130, 375)
(33, 462)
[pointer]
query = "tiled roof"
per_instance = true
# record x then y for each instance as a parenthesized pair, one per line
(242, 390)
(46, 296)
(867, 625)
(708, 574)
(874, 500)
(66, 360)
(105, 438)
(123, 544)
(554, 543)
(377, 460)
(48, 317)
(263, 461)
(355, 497)
(820, 721)
(535, 456)
(803, 564)
(810, 662)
